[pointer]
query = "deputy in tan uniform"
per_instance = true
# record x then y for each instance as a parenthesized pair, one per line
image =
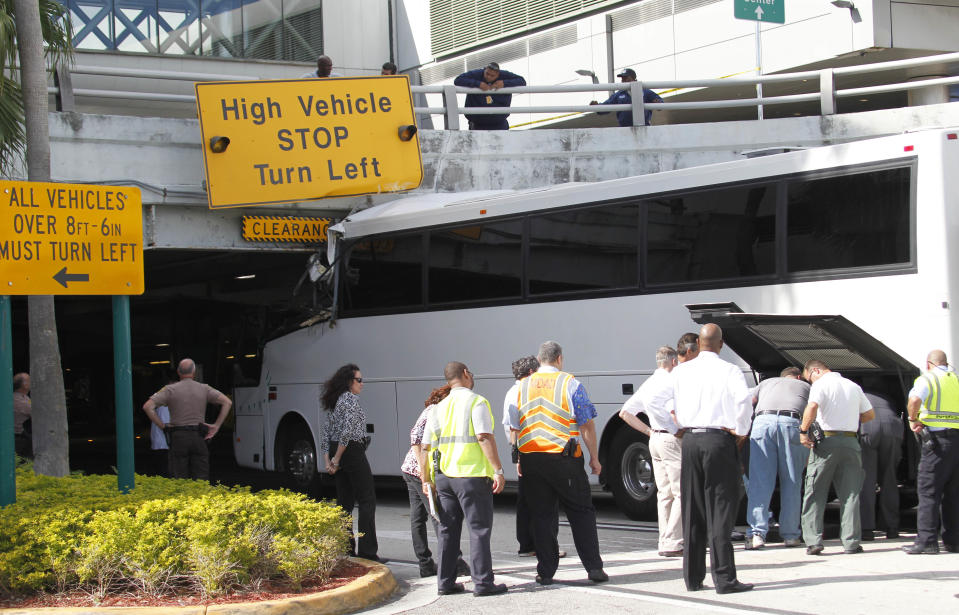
(187, 400)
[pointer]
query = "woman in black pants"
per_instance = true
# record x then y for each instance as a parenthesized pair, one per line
(346, 437)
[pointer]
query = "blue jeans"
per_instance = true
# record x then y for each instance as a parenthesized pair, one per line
(774, 448)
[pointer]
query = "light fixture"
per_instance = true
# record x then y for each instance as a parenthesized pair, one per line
(159, 362)
(587, 73)
(406, 132)
(249, 356)
(218, 145)
(248, 276)
(163, 345)
(853, 11)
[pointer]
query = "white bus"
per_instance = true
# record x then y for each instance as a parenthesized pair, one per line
(841, 253)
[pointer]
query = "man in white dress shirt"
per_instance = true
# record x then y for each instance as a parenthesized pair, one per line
(839, 405)
(712, 404)
(665, 447)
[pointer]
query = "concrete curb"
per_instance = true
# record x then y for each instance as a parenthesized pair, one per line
(373, 587)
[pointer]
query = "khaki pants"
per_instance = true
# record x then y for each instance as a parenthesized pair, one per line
(667, 453)
(836, 461)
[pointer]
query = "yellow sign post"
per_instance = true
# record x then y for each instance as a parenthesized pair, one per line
(269, 142)
(70, 239)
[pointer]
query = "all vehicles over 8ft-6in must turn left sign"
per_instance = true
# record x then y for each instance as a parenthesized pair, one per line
(70, 239)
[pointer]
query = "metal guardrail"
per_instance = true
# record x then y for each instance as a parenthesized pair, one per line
(451, 110)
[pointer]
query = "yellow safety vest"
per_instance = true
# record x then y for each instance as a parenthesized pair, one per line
(452, 434)
(546, 422)
(941, 407)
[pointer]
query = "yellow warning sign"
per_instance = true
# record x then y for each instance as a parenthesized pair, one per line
(269, 142)
(70, 239)
(285, 228)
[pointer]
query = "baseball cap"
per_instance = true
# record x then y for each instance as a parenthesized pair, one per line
(627, 72)
(493, 66)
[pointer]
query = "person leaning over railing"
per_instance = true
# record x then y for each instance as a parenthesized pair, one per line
(489, 79)
(623, 97)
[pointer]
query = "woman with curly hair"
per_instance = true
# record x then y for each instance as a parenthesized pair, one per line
(419, 506)
(346, 436)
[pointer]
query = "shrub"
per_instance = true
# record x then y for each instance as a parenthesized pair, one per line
(80, 532)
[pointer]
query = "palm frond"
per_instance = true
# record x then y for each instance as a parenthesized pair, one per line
(12, 136)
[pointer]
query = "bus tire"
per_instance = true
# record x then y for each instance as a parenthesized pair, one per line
(630, 474)
(297, 459)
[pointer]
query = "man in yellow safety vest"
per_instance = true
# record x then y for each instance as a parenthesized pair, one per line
(465, 471)
(933, 407)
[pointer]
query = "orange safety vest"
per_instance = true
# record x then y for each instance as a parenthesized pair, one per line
(546, 422)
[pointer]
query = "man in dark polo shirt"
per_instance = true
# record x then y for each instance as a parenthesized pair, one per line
(187, 400)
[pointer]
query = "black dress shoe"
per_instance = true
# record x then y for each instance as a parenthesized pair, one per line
(867, 536)
(892, 534)
(735, 588)
(462, 569)
(428, 570)
(915, 549)
(544, 580)
(374, 558)
(490, 590)
(813, 549)
(695, 588)
(951, 548)
(856, 549)
(455, 588)
(676, 553)
(737, 536)
(597, 576)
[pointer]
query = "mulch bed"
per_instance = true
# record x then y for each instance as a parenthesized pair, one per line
(344, 573)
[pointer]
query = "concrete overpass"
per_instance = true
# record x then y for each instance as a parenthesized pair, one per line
(163, 157)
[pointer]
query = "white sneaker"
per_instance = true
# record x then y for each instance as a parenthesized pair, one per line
(793, 542)
(755, 542)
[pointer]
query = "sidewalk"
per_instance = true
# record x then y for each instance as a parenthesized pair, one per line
(883, 579)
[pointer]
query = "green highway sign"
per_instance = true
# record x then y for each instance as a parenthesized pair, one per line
(771, 11)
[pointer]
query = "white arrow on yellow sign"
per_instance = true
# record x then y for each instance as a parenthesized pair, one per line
(70, 239)
(269, 142)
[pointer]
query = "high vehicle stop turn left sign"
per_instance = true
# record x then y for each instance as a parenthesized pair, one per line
(70, 239)
(271, 142)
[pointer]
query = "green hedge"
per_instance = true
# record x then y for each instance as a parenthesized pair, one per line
(80, 532)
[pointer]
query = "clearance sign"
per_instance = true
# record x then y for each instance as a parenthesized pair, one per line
(70, 239)
(270, 142)
(285, 229)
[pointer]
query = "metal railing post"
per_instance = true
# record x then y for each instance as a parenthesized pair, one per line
(827, 92)
(452, 107)
(64, 82)
(639, 105)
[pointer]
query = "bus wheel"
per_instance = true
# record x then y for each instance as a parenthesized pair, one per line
(629, 468)
(298, 457)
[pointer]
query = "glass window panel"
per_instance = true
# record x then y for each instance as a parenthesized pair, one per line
(850, 221)
(179, 27)
(263, 30)
(711, 235)
(92, 24)
(584, 249)
(383, 274)
(476, 263)
(222, 25)
(302, 30)
(135, 26)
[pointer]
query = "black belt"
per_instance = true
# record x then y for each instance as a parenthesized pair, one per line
(184, 427)
(848, 434)
(659, 430)
(707, 430)
(791, 413)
